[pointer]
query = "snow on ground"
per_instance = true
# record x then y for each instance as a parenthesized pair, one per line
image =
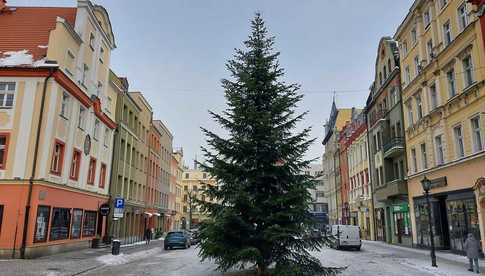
(124, 259)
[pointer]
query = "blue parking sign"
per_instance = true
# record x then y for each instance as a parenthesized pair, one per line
(119, 202)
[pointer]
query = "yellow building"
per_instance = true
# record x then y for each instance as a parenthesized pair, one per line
(442, 75)
(195, 181)
(56, 127)
(177, 172)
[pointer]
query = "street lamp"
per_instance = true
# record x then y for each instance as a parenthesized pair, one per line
(426, 183)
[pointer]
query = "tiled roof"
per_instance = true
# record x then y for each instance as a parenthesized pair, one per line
(27, 28)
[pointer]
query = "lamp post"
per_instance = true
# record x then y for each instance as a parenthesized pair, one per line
(426, 183)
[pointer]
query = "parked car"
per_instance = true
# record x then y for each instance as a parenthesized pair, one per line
(346, 236)
(194, 237)
(180, 239)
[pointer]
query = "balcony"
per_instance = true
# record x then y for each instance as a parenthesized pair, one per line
(392, 188)
(394, 147)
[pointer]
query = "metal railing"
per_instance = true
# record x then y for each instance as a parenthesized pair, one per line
(394, 142)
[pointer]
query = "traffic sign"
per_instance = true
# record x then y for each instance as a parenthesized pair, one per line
(119, 207)
(119, 202)
(104, 209)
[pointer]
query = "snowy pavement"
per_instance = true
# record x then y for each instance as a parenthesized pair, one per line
(375, 258)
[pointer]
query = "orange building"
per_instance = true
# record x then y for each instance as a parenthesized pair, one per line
(153, 191)
(56, 127)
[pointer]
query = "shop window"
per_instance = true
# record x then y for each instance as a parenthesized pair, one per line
(7, 94)
(75, 165)
(57, 157)
(41, 223)
(77, 217)
(61, 220)
(89, 223)
(92, 171)
(102, 176)
(4, 138)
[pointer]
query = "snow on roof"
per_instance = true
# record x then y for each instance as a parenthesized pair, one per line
(21, 58)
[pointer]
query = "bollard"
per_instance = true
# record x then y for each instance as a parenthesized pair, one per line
(115, 247)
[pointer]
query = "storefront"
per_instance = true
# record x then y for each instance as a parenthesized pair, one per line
(401, 223)
(453, 214)
(380, 224)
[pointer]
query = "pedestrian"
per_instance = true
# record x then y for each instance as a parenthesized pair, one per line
(472, 248)
(148, 235)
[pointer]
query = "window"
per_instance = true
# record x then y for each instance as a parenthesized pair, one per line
(7, 94)
(70, 62)
(410, 114)
(385, 72)
(101, 54)
(57, 157)
(96, 129)
(99, 89)
(81, 122)
(204, 175)
(389, 65)
(427, 18)
(433, 97)
(429, 48)
(102, 176)
(440, 157)
(106, 136)
(61, 220)
(89, 223)
(450, 76)
(77, 218)
(477, 134)
(404, 48)
(414, 160)
(92, 171)
(417, 66)
(447, 33)
(4, 139)
(65, 105)
(186, 176)
(419, 106)
(41, 223)
(85, 75)
(462, 16)
(414, 36)
(91, 41)
(459, 147)
(424, 158)
(1, 217)
(407, 75)
(75, 165)
(468, 70)
(109, 103)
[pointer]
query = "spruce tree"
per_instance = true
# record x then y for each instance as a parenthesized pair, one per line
(261, 203)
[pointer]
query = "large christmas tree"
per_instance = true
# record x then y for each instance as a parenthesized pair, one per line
(261, 210)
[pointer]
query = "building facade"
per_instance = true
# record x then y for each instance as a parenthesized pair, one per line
(56, 127)
(195, 181)
(443, 94)
(331, 160)
(167, 189)
(360, 189)
(153, 193)
(387, 148)
(178, 170)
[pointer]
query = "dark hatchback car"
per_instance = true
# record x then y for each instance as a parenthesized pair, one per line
(175, 239)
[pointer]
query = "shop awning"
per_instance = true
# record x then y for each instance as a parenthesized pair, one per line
(148, 214)
(156, 214)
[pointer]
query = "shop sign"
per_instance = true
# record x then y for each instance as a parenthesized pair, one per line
(438, 182)
(400, 208)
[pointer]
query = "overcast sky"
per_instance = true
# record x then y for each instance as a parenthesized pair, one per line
(174, 52)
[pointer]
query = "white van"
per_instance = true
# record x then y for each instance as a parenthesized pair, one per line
(346, 236)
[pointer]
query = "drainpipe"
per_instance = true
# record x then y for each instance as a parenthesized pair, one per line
(52, 70)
